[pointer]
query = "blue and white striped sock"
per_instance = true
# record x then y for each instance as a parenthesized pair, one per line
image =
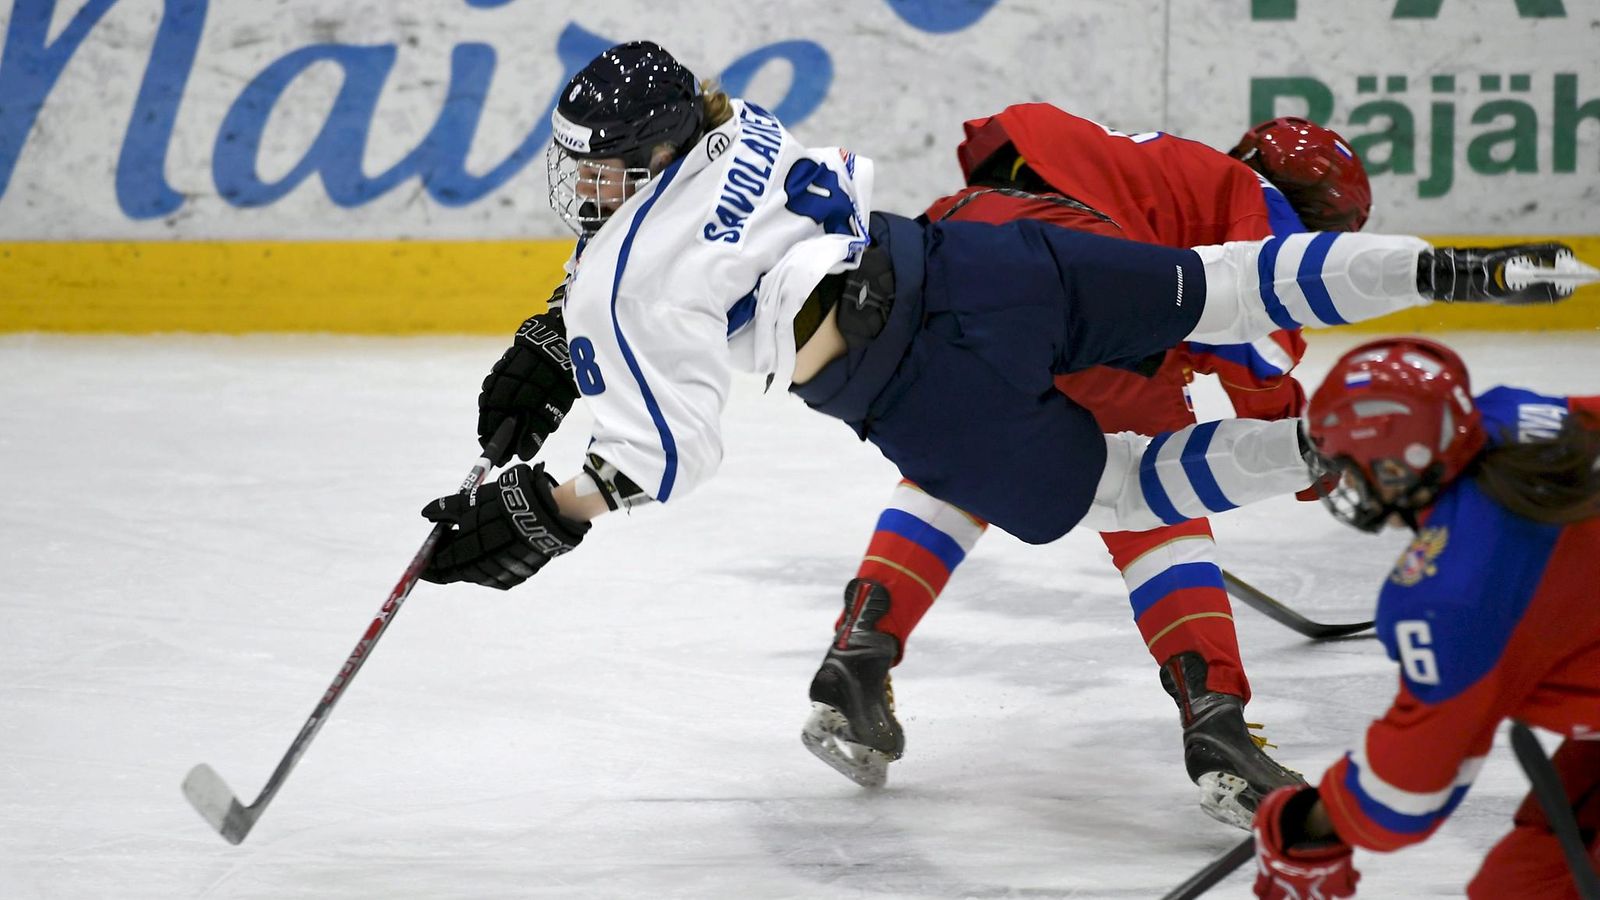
(1206, 468)
(1314, 279)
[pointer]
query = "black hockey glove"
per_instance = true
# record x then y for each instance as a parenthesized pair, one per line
(1480, 275)
(531, 384)
(505, 531)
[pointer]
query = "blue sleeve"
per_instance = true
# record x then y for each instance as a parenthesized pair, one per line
(1516, 416)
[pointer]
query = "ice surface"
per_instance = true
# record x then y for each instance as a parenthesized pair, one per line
(198, 529)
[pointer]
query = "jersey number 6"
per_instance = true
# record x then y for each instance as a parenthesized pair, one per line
(1413, 637)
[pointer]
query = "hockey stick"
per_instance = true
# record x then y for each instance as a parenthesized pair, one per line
(1552, 797)
(1215, 871)
(206, 790)
(1283, 615)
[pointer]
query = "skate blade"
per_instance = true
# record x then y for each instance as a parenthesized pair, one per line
(1219, 799)
(827, 735)
(1568, 272)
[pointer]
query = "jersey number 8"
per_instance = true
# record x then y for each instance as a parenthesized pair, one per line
(584, 369)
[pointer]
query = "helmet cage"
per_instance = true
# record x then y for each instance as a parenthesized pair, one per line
(1358, 498)
(576, 186)
(627, 104)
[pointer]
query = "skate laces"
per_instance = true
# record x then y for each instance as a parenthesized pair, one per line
(1261, 742)
(888, 693)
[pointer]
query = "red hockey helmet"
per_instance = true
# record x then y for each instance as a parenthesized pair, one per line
(1317, 171)
(1395, 418)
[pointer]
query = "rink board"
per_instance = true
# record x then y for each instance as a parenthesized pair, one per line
(422, 287)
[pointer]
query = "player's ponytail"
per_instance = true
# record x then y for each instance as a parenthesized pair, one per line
(1556, 481)
(717, 107)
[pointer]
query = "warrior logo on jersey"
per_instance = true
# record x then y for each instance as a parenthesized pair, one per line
(1417, 562)
(760, 142)
(717, 144)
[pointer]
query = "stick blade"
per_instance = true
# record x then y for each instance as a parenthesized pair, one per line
(1330, 631)
(216, 803)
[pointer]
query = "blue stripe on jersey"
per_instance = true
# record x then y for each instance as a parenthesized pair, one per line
(669, 445)
(1184, 575)
(1155, 496)
(1240, 355)
(741, 312)
(929, 538)
(1310, 278)
(1281, 217)
(1266, 269)
(1199, 470)
(1399, 822)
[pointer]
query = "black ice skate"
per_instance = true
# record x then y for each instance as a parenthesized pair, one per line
(1520, 273)
(852, 725)
(1220, 753)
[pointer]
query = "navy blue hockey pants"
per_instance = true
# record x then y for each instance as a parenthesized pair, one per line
(958, 391)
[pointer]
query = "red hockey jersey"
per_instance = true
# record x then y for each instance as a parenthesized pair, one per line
(1491, 616)
(1164, 189)
(1161, 189)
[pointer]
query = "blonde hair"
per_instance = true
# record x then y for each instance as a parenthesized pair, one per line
(715, 105)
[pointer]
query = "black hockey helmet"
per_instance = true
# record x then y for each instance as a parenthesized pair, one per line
(628, 101)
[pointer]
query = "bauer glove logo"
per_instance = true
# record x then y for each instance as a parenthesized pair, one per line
(538, 536)
(511, 493)
(550, 340)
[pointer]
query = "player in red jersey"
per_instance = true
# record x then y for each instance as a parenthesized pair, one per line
(1035, 161)
(1492, 613)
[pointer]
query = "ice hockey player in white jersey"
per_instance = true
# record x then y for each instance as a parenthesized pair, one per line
(719, 250)
(712, 242)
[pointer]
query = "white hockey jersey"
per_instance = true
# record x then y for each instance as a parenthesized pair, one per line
(699, 274)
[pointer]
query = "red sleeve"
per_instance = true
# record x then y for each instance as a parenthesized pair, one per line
(1285, 399)
(1413, 768)
(1586, 405)
(1256, 376)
